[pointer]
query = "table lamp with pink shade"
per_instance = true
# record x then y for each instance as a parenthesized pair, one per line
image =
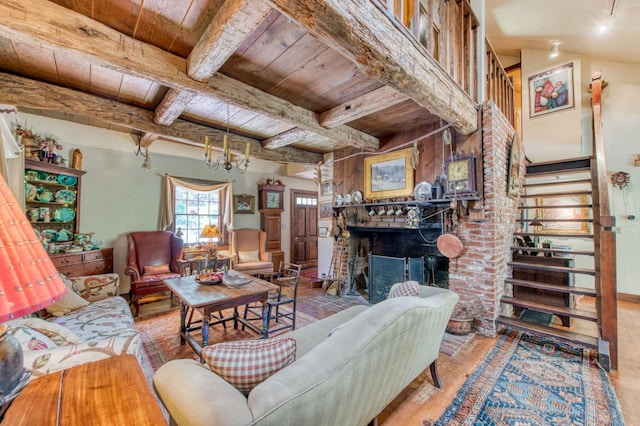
(28, 282)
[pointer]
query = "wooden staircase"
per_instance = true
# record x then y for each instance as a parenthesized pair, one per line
(590, 262)
(550, 189)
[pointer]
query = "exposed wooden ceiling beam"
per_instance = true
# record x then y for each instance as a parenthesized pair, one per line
(369, 103)
(46, 24)
(37, 95)
(287, 138)
(234, 22)
(228, 29)
(366, 36)
(146, 139)
(171, 106)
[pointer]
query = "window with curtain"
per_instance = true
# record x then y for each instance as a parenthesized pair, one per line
(193, 210)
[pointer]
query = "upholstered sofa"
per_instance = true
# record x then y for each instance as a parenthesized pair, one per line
(94, 323)
(348, 368)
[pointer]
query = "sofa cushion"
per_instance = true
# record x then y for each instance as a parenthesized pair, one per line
(70, 302)
(29, 338)
(407, 288)
(248, 256)
(110, 317)
(58, 334)
(97, 287)
(246, 364)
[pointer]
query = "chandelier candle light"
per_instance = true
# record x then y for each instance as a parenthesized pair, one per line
(224, 160)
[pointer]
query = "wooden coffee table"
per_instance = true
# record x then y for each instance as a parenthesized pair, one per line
(208, 299)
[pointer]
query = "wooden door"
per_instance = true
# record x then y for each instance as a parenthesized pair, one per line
(304, 228)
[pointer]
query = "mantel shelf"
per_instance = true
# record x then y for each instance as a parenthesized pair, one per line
(412, 203)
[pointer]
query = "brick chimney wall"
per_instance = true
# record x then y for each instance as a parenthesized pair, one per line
(487, 232)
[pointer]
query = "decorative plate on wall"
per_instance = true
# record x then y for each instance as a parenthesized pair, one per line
(64, 214)
(65, 196)
(422, 191)
(67, 180)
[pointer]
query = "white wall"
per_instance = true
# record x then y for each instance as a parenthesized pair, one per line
(119, 197)
(567, 134)
(557, 134)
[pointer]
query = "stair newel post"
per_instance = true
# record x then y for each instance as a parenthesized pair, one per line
(607, 306)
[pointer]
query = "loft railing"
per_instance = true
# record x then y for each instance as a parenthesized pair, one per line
(604, 236)
(499, 86)
(447, 30)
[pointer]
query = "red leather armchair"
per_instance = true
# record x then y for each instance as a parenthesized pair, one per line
(152, 257)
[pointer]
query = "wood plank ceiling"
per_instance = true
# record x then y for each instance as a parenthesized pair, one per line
(183, 70)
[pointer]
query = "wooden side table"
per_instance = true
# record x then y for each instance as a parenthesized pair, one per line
(108, 392)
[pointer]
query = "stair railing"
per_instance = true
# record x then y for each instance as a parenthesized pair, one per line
(604, 239)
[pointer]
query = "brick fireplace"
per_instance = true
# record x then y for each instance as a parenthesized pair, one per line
(485, 228)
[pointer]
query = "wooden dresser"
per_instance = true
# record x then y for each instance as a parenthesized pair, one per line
(84, 262)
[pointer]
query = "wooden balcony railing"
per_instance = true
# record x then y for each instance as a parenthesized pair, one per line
(447, 30)
(499, 87)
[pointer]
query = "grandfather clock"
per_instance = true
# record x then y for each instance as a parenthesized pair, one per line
(270, 206)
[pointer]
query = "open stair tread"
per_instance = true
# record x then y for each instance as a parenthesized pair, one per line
(556, 194)
(560, 288)
(565, 166)
(557, 183)
(565, 335)
(556, 310)
(566, 206)
(549, 234)
(544, 267)
(556, 251)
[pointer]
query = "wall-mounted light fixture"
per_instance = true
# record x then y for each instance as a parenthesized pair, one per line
(554, 48)
(146, 164)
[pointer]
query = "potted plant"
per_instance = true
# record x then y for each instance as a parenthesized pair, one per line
(463, 315)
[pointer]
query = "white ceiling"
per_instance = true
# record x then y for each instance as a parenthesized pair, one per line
(512, 25)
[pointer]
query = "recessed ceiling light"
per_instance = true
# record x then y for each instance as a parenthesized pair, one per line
(554, 48)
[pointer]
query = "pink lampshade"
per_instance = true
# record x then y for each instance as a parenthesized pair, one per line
(28, 279)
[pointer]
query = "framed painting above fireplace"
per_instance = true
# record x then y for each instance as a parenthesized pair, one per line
(388, 175)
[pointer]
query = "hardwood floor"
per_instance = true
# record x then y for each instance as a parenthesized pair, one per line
(422, 402)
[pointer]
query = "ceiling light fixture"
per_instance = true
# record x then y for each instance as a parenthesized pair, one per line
(225, 159)
(554, 48)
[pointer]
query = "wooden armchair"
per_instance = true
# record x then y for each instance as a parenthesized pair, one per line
(152, 257)
(248, 252)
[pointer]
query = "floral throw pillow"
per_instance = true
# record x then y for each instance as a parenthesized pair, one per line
(246, 364)
(58, 334)
(29, 338)
(407, 288)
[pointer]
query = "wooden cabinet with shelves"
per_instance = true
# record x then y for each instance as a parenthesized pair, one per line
(553, 298)
(84, 262)
(52, 200)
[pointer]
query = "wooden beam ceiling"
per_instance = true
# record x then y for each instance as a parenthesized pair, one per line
(362, 106)
(29, 22)
(361, 32)
(43, 96)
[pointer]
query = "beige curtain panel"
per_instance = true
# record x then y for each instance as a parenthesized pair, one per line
(166, 214)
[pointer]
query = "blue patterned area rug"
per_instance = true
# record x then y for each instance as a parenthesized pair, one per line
(528, 380)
